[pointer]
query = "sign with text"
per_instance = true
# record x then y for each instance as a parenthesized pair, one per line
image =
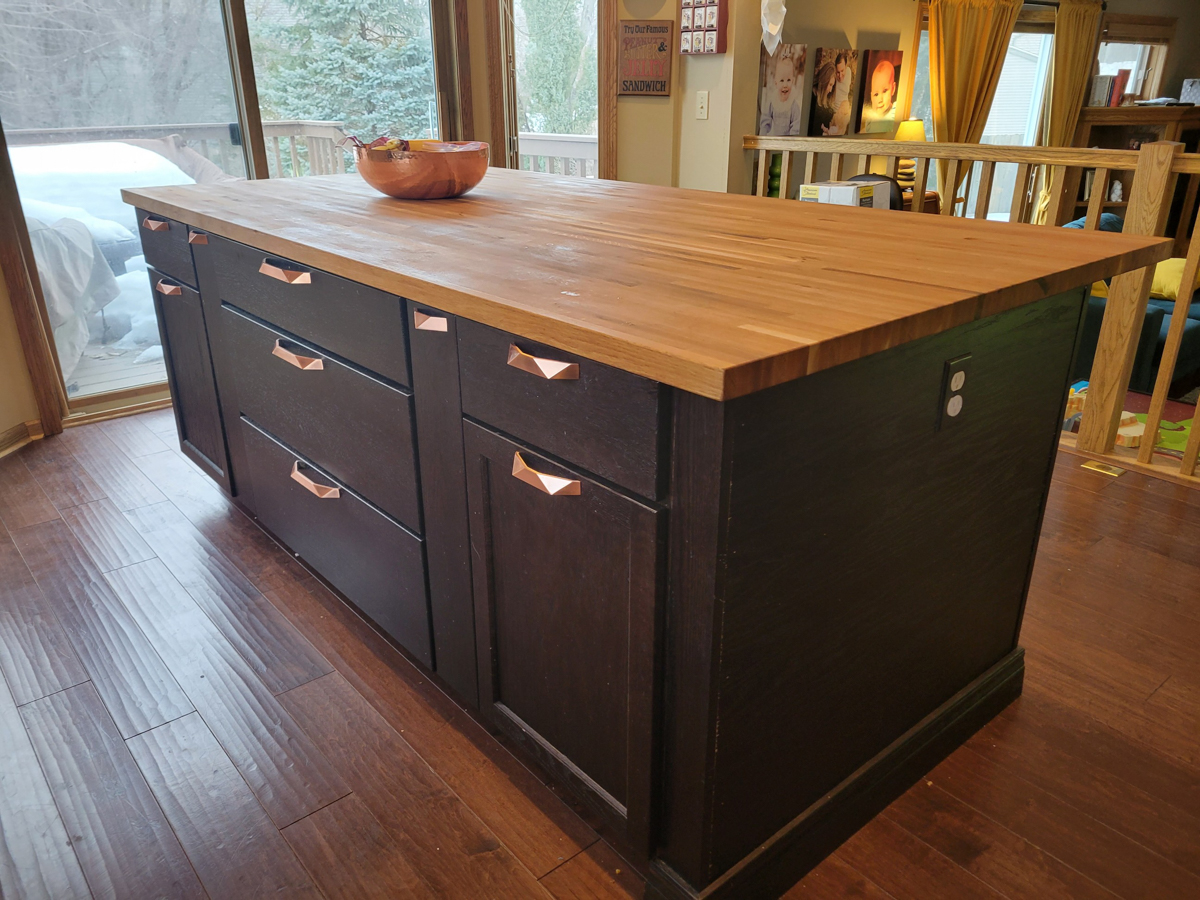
(644, 57)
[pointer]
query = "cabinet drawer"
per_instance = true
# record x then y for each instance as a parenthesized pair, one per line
(355, 427)
(181, 328)
(601, 419)
(352, 320)
(565, 613)
(375, 563)
(165, 246)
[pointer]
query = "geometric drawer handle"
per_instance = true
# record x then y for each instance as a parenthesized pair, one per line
(323, 491)
(287, 276)
(197, 237)
(550, 369)
(152, 224)
(308, 363)
(169, 290)
(426, 322)
(549, 484)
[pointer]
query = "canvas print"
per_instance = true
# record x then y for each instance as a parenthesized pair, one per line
(780, 87)
(834, 78)
(881, 75)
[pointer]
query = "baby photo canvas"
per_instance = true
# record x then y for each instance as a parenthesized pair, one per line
(880, 80)
(780, 82)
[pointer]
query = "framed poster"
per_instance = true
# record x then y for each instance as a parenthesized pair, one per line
(780, 89)
(881, 75)
(834, 96)
(644, 54)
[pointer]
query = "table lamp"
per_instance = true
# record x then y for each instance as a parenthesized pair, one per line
(908, 130)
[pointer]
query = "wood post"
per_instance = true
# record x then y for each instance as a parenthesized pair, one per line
(1149, 200)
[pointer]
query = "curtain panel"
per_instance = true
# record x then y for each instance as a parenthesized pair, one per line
(968, 40)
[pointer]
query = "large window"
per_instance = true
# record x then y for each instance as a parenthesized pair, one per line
(97, 95)
(329, 68)
(1015, 118)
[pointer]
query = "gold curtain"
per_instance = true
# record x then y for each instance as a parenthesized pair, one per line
(968, 40)
(1075, 27)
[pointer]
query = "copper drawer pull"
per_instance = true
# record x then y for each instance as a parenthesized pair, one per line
(197, 237)
(168, 290)
(549, 484)
(425, 322)
(324, 491)
(152, 224)
(550, 369)
(287, 276)
(308, 363)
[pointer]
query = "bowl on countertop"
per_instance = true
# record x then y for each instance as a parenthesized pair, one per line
(434, 171)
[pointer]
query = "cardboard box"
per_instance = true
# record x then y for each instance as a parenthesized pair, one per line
(875, 194)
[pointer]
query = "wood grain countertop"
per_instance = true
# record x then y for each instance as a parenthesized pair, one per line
(718, 294)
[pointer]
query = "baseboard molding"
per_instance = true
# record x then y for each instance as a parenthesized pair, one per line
(799, 846)
(19, 435)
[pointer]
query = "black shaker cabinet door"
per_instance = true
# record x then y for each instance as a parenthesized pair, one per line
(190, 374)
(565, 593)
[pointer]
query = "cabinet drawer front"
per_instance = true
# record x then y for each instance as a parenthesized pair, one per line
(354, 321)
(605, 421)
(374, 562)
(567, 594)
(165, 246)
(190, 372)
(356, 428)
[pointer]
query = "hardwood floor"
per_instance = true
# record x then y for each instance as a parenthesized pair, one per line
(185, 711)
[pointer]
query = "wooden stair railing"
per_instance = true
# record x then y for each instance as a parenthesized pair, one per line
(1156, 167)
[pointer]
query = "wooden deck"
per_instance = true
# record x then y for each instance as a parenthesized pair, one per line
(185, 712)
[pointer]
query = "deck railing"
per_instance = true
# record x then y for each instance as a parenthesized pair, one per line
(562, 154)
(1151, 175)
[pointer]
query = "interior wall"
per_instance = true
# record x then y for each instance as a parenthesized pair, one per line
(17, 402)
(1184, 60)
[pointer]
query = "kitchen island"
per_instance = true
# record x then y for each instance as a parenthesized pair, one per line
(722, 509)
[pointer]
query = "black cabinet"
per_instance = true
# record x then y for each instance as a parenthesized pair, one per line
(566, 611)
(181, 326)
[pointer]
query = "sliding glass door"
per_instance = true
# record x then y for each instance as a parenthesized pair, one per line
(97, 95)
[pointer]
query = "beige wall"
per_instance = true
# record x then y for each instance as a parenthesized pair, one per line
(17, 403)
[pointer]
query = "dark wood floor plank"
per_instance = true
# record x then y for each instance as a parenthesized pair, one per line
(228, 837)
(351, 856)
(106, 535)
(1111, 799)
(835, 879)
(119, 833)
(288, 774)
(276, 650)
(535, 824)
(596, 873)
(22, 500)
(36, 859)
(59, 473)
(444, 839)
(908, 868)
(266, 564)
(993, 854)
(1059, 829)
(134, 683)
(132, 437)
(115, 472)
(35, 653)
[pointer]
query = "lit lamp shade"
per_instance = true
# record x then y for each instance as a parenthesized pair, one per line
(908, 130)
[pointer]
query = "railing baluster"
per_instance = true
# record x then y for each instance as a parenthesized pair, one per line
(1096, 199)
(295, 155)
(983, 200)
(920, 179)
(1058, 174)
(278, 159)
(1020, 194)
(785, 174)
(893, 166)
(764, 164)
(966, 189)
(1170, 355)
(810, 167)
(950, 189)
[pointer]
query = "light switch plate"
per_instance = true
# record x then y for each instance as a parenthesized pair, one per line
(701, 104)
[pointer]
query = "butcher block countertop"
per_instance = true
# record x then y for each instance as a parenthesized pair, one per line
(718, 294)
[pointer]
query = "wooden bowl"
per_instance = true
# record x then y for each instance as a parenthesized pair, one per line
(437, 170)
